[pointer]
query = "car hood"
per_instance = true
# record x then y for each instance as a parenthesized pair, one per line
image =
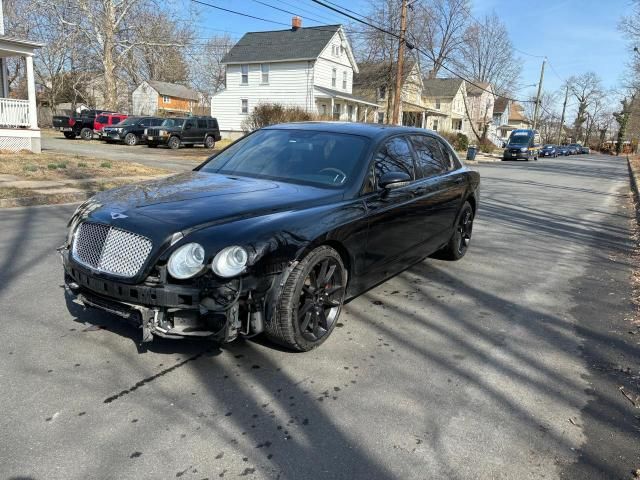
(189, 200)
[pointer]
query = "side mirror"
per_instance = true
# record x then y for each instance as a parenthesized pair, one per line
(391, 180)
(504, 145)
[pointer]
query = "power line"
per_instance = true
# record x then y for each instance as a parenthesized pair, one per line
(239, 13)
(427, 54)
(286, 11)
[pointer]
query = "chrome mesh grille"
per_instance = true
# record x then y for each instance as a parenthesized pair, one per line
(109, 249)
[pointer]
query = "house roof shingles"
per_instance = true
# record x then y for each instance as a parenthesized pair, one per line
(500, 105)
(379, 73)
(442, 87)
(280, 45)
(173, 90)
(478, 88)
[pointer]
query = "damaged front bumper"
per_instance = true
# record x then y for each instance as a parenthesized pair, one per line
(220, 312)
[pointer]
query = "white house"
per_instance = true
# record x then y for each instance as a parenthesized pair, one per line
(447, 96)
(18, 117)
(311, 68)
(480, 101)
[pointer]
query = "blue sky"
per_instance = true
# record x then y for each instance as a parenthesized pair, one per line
(575, 35)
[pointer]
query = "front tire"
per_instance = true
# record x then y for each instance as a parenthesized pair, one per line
(86, 134)
(174, 143)
(461, 238)
(131, 139)
(310, 302)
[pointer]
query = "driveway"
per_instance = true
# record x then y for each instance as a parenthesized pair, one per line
(503, 365)
(181, 160)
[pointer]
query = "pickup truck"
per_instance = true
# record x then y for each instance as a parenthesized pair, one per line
(86, 124)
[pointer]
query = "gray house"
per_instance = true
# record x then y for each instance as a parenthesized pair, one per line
(162, 98)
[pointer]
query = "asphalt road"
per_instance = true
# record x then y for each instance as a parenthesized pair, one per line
(161, 157)
(503, 365)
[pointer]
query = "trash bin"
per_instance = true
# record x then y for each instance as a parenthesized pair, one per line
(471, 153)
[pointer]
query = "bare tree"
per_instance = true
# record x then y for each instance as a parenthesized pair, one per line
(585, 88)
(440, 29)
(488, 55)
(206, 70)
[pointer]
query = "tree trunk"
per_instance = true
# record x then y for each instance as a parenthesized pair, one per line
(108, 60)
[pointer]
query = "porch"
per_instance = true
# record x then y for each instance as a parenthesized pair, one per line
(18, 117)
(342, 106)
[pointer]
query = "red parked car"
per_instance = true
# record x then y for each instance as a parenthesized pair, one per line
(88, 123)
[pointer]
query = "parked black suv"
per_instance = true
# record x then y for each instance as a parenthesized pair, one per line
(131, 131)
(175, 132)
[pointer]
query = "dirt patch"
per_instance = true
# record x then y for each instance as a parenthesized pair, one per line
(60, 166)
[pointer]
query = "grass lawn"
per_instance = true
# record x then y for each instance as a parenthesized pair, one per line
(59, 166)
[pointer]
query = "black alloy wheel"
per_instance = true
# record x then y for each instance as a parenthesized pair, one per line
(461, 238)
(464, 228)
(320, 299)
(310, 301)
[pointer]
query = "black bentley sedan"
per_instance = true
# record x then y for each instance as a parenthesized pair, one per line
(273, 234)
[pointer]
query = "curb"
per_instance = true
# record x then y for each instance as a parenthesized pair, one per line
(45, 199)
(634, 177)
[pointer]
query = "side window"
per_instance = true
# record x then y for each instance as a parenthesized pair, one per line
(394, 156)
(449, 157)
(188, 124)
(430, 158)
(202, 123)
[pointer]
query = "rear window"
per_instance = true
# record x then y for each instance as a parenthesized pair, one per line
(202, 123)
(212, 123)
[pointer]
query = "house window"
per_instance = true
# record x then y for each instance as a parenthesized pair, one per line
(437, 104)
(244, 70)
(380, 117)
(166, 99)
(344, 80)
(435, 125)
(334, 74)
(382, 92)
(350, 112)
(244, 108)
(264, 68)
(336, 111)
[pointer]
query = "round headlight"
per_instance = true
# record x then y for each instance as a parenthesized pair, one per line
(230, 261)
(186, 261)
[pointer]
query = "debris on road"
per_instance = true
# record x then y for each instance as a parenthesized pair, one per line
(636, 402)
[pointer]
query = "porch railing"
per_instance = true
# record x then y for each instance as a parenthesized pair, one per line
(14, 113)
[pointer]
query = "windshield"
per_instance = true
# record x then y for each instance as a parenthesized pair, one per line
(129, 121)
(519, 139)
(172, 122)
(297, 156)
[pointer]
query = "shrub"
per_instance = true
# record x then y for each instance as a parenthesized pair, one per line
(459, 141)
(271, 113)
(52, 166)
(62, 165)
(82, 165)
(105, 164)
(486, 146)
(30, 168)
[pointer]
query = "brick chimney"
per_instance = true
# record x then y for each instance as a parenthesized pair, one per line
(296, 23)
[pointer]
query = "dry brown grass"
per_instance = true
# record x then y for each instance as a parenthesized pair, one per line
(59, 166)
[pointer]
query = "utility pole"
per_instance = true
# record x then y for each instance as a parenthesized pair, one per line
(399, 64)
(564, 109)
(535, 113)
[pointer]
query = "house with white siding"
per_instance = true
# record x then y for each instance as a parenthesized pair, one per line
(310, 68)
(163, 98)
(480, 101)
(18, 116)
(446, 96)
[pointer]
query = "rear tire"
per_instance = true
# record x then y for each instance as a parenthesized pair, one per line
(210, 142)
(461, 238)
(310, 301)
(69, 135)
(174, 143)
(86, 134)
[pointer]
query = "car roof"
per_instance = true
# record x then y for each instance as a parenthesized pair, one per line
(371, 130)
